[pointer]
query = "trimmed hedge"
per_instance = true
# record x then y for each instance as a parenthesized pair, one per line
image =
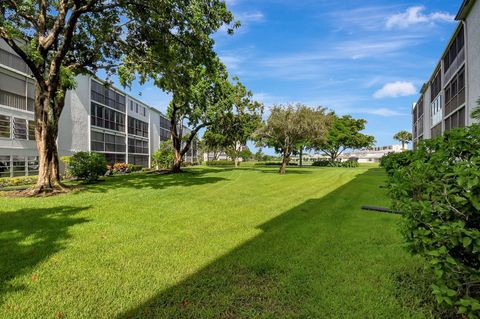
(17, 181)
(274, 164)
(220, 163)
(437, 187)
(327, 163)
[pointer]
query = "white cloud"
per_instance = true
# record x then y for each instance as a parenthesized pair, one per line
(385, 112)
(396, 89)
(415, 16)
(254, 16)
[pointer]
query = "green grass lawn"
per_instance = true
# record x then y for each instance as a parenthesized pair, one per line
(210, 243)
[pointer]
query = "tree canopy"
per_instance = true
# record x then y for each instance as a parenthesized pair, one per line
(59, 39)
(404, 137)
(344, 134)
(288, 126)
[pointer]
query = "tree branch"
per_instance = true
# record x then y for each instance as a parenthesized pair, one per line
(36, 72)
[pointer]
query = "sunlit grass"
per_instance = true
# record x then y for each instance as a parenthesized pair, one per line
(209, 243)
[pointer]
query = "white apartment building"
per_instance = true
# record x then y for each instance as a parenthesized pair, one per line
(96, 118)
(451, 94)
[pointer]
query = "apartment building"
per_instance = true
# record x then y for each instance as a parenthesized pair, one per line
(449, 97)
(96, 118)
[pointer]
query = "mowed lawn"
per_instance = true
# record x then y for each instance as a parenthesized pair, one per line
(210, 243)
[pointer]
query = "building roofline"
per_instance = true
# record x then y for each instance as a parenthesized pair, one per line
(464, 10)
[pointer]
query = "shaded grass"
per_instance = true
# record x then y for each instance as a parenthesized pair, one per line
(210, 243)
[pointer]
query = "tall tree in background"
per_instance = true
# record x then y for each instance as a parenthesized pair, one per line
(233, 129)
(344, 134)
(59, 39)
(404, 137)
(289, 126)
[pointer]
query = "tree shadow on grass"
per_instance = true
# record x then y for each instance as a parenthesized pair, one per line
(30, 236)
(304, 263)
(157, 181)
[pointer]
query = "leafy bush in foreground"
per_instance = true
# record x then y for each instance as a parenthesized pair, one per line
(87, 166)
(393, 161)
(437, 187)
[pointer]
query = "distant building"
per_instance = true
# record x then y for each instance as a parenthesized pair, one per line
(451, 93)
(372, 155)
(221, 156)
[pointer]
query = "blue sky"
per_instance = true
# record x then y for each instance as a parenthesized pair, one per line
(367, 58)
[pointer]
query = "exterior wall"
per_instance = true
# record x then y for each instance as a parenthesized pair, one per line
(473, 58)
(74, 128)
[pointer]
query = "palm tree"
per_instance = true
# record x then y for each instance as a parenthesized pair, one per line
(404, 137)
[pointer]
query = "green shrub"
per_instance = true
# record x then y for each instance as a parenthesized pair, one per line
(220, 163)
(437, 187)
(134, 168)
(88, 166)
(274, 164)
(17, 181)
(163, 158)
(393, 161)
(327, 163)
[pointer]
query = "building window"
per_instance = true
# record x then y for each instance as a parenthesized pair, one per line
(5, 126)
(455, 92)
(455, 48)
(137, 146)
(31, 130)
(20, 131)
(164, 123)
(436, 86)
(138, 160)
(137, 127)
(18, 165)
(164, 135)
(107, 96)
(4, 166)
(114, 158)
(456, 120)
(107, 118)
(32, 165)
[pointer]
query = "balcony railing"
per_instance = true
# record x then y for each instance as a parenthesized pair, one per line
(16, 101)
(457, 101)
(457, 63)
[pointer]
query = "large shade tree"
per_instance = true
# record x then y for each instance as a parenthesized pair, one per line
(344, 134)
(403, 137)
(59, 39)
(289, 126)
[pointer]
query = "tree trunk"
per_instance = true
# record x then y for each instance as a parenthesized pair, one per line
(301, 156)
(285, 161)
(177, 163)
(403, 145)
(236, 162)
(46, 133)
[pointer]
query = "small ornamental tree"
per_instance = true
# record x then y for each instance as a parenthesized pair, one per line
(344, 134)
(87, 166)
(403, 137)
(163, 158)
(437, 188)
(288, 126)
